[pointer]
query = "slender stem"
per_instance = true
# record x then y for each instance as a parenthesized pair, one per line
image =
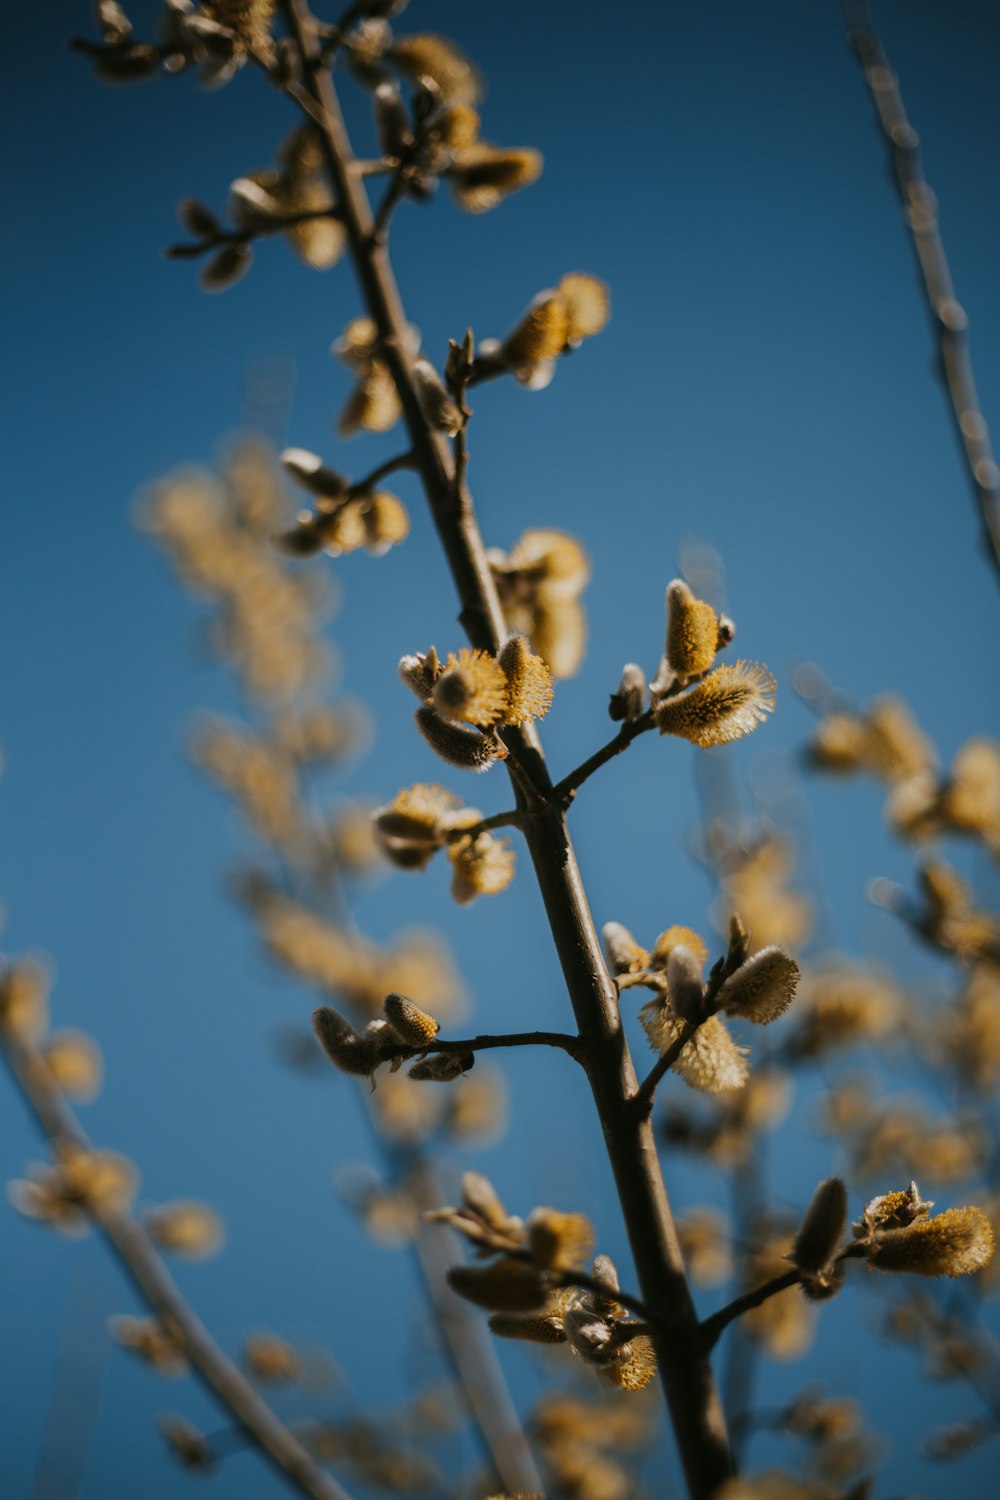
(684, 1369)
(643, 1098)
(511, 819)
(145, 1269)
(564, 790)
(947, 313)
(712, 1328)
(191, 250)
(362, 486)
(393, 196)
(560, 1039)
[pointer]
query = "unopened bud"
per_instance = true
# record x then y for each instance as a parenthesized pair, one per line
(629, 699)
(821, 1229)
(508, 1285)
(308, 470)
(437, 406)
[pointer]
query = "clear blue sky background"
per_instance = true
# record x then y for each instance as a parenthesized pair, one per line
(765, 385)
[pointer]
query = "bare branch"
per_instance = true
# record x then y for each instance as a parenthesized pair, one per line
(950, 318)
(138, 1257)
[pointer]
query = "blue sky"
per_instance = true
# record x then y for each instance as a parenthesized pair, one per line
(765, 385)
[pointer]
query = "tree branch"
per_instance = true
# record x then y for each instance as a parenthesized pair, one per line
(560, 1039)
(143, 1266)
(712, 1328)
(947, 313)
(564, 790)
(683, 1366)
(642, 1100)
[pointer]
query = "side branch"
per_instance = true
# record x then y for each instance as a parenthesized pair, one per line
(564, 790)
(949, 316)
(145, 1269)
(642, 1100)
(712, 1328)
(560, 1039)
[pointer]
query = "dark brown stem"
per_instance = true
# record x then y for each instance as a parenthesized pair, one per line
(564, 790)
(362, 486)
(144, 1268)
(684, 1369)
(949, 317)
(643, 1099)
(560, 1039)
(713, 1328)
(512, 819)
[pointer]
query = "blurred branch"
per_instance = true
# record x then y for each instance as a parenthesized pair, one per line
(564, 790)
(145, 1269)
(947, 313)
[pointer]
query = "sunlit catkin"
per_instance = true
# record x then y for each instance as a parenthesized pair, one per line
(957, 1242)
(529, 682)
(763, 988)
(458, 744)
(727, 705)
(414, 1025)
(692, 632)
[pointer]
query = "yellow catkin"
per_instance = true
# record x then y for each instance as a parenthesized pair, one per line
(426, 55)
(558, 1241)
(483, 866)
(957, 1242)
(505, 1286)
(472, 688)
(529, 682)
(587, 302)
(186, 1228)
(692, 631)
(75, 1063)
(635, 1369)
(481, 176)
(540, 336)
(763, 988)
(414, 1025)
(727, 705)
(677, 937)
(251, 20)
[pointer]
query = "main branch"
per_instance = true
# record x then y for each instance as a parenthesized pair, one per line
(684, 1368)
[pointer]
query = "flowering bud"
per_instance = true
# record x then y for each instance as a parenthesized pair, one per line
(508, 1285)
(625, 956)
(762, 988)
(529, 682)
(458, 744)
(414, 1025)
(957, 1242)
(558, 1241)
(443, 1067)
(437, 406)
(308, 470)
(543, 1328)
(342, 1045)
(226, 268)
(727, 705)
(199, 220)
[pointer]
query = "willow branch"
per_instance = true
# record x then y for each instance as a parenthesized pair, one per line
(565, 789)
(684, 1369)
(712, 1328)
(382, 471)
(950, 318)
(143, 1266)
(559, 1039)
(643, 1098)
(191, 249)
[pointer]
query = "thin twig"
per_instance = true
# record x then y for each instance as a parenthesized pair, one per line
(190, 250)
(683, 1366)
(142, 1264)
(947, 313)
(642, 1100)
(510, 819)
(564, 790)
(363, 486)
(712, 1328)
(559, 1039)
